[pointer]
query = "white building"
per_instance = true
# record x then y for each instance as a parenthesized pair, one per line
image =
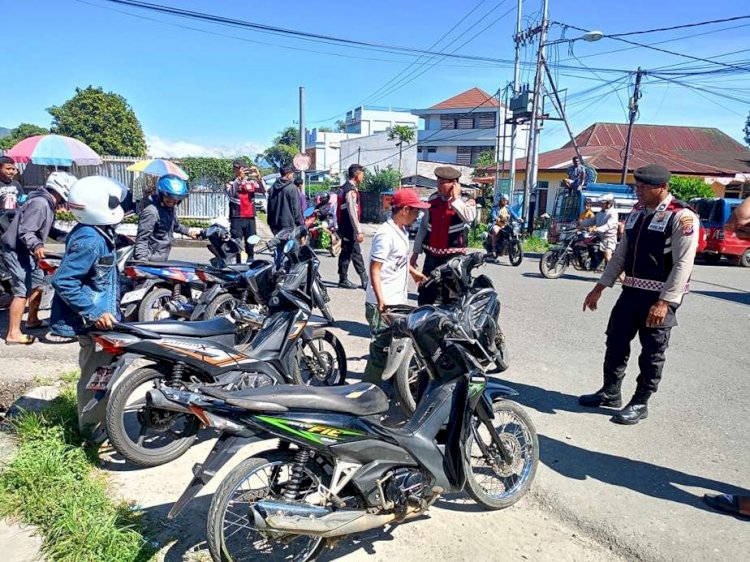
(368, 120)
(459, 129)
(324, 150)
(377, 152)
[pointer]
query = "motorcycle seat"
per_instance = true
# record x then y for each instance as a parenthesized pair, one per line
(202, 329)
(360, 399)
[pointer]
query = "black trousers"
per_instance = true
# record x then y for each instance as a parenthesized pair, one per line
(430, 294)
(628, 318)
(241, 229)
(350, 252)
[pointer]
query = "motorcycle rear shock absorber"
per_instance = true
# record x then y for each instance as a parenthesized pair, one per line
(298, 471)
(177, 371)
(176, 291)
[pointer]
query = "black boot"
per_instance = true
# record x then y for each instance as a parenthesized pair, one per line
(346, 284)
(607, 396)
(363, 278)
(635, 411)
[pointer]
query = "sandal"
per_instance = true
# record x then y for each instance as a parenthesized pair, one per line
(27, 340)
(728, 503)
(43, 324)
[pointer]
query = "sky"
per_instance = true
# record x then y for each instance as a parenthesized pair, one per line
(204, 89)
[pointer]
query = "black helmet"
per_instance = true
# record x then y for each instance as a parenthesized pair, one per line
(323, 199)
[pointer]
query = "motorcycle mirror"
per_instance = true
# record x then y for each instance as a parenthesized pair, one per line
(309, 212)
(254, 239)
(289, 246)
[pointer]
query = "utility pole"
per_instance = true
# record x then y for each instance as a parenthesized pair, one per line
(302, 131)
(502, 104)
(561, 110)
(633, 114)
(516, 91)
(532, 159)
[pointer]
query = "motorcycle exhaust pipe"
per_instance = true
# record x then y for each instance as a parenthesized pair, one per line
(155, 399)
(248, 316)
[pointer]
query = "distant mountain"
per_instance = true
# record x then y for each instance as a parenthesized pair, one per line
(4, 131)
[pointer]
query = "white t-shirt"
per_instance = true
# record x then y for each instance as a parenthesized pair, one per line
(390, 246)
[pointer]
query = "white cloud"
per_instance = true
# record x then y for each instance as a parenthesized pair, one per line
(159, 147)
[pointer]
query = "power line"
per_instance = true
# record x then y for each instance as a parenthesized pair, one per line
(683, 26)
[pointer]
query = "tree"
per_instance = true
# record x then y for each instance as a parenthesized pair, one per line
(285, 146)
(103, 120)
(325, 130)
(747, 129)
(23, 131)
(484, 160)
(686, 188)
(402, 134)
(340, 126)
(381, 180)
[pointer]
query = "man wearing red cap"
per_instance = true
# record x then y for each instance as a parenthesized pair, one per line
(389, 276)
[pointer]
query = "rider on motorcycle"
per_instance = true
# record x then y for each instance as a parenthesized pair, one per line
(503, 220)
(604, 224)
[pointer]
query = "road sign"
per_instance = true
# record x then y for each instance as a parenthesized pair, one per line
(301, 162)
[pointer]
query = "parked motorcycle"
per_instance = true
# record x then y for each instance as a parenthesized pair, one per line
(320, 215)
(476, 303)
(338, 470)
(509, 244)
(578, 248)
(185, 354)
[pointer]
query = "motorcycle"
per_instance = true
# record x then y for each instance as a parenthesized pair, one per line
(321, 215)
(578, 248)
(338, 470)
(478, 306)
(183, 354)
(509, 244)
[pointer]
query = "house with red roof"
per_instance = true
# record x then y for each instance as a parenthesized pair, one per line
(459, 129)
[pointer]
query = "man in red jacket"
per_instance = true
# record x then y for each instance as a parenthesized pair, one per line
(241, 191)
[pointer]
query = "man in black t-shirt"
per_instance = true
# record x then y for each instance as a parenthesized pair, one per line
(10, 190)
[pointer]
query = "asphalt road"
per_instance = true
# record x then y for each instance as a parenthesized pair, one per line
(636, 488)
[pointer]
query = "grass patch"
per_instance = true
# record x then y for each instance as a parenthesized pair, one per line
(52, 483)
(535, 244)
(67, 378)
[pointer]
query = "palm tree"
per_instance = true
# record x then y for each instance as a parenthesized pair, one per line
(402, 134)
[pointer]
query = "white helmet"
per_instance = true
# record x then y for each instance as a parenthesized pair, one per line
(607, 198)
(60, 183)
(95, 200)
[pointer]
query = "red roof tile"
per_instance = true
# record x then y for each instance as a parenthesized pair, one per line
(475, 97)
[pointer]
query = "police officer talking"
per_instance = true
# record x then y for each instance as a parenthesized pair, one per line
(444, 231)
(656, 255)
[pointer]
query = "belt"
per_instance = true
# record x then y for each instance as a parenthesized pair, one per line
(443, 251)
(647, 284)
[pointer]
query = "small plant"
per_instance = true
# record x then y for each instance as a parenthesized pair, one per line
(535, 244)
(475, 235)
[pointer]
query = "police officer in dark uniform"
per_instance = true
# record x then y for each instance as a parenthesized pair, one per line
(348, 216)
(444, 231)
(656, 255)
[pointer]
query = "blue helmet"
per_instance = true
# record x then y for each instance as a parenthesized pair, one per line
(172, 186)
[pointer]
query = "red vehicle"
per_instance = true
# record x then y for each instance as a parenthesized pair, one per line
(718, 241)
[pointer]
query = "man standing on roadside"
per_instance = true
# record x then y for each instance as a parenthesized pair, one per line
(283, 202)
(348, 216)
(656, 255)
(10, 189)
(444, 231)
(241, 191)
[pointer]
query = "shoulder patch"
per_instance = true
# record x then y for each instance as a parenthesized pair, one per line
(686, 223)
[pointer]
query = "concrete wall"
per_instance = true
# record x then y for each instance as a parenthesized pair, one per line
(376, 151)
(368, 121)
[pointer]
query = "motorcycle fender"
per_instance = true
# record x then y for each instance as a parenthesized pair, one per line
(144, 288)
(102, 389)
(398, 351)
(205, 300)
(494, 389)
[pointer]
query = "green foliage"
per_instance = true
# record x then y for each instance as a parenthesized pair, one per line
(52, 483)
(340, 126)
(746, 130)
(285, 146)
(382, 180)
(475, 235)
(218, 170)
(484, 160)
(23, 131)
(686, 188)
(67, 216)
(535, 244)
(103, 120)
(325, 129)
(402, 134)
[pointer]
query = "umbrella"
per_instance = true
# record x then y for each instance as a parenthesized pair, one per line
(54, 150)
(157, 167)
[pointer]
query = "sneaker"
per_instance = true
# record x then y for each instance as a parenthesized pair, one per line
(346, 284)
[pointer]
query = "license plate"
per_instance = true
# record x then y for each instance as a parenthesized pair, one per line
(134, 296)
(100, 379)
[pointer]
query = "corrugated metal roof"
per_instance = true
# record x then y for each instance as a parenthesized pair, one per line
(474, 97)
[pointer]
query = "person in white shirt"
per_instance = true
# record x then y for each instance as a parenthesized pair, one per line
(604, 224)
(389, 276)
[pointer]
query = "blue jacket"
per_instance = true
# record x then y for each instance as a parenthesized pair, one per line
(87, 282)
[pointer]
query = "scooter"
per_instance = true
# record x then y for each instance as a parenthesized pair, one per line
(509, 244)
(578, 248)
(320, 214)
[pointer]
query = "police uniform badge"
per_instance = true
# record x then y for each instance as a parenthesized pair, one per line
(686, 223)
(632, 218)
(660, 221)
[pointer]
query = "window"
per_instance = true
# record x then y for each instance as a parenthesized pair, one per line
(484, 120)
(447, 122)
(468, 155)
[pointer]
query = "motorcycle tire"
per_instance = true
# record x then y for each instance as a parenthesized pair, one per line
(408, 381)
(223, 305)
(527, 453)
(236, 545)
(333, 374)
(154, 302)
(132, 450)
(552, 265)
(515, 253)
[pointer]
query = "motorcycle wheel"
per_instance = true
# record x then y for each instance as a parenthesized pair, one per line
(491, 482)
(552, 265)
(515, 253)
(231, 534)
(154, 305)
(223, 305)
(328, 369)
(146, 436)
(409, 380)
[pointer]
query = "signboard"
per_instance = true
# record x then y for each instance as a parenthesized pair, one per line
(301, 162)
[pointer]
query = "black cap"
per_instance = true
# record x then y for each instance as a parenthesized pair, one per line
(447, 173)
(239, 163)
(286, 169)
(653, 174)
(299, 181)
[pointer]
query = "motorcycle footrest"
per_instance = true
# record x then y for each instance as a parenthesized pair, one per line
(202, 474)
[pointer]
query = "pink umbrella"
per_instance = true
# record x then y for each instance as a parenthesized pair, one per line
(54, 150)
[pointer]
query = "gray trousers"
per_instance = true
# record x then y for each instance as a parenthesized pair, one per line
(91, 409)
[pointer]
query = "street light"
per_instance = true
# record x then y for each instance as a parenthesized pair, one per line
(589, 37)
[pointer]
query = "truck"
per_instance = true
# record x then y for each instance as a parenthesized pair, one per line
(714, 213)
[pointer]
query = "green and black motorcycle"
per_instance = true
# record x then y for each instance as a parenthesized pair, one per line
(338, 469)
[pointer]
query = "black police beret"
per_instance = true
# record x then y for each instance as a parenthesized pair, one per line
(653, 174)
(447, 173)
